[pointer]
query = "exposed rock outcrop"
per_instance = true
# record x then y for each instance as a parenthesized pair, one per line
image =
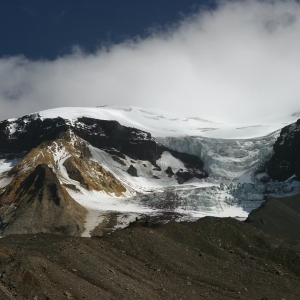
(183, 176)
(35, 201)
(119, 160)
(92, 176)
(169, 171)
(71, 165)
(132, 171)
(28, 132)
(285, 161)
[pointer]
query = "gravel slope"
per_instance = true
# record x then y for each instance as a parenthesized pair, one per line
(208, 259)
(279, 216)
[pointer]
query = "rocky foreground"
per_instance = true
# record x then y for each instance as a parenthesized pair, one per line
(209, 259)
(280, 217)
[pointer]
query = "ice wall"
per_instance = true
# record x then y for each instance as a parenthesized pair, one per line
(227, 160)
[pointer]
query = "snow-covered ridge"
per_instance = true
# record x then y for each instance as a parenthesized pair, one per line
(166, 124)
(226, 159)
(231, 152)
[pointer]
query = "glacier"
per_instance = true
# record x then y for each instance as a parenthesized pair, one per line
(227, 160)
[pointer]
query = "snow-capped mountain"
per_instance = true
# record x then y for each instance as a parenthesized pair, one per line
(62, 167)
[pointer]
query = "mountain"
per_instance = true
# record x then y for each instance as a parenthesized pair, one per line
(56, 161)
(71, 173)
(81, 171)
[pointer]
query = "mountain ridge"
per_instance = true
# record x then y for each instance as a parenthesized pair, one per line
(67, 149)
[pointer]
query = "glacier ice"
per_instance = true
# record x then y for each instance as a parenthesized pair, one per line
(227, 160)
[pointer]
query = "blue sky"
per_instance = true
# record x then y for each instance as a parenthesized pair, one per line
(49, 28)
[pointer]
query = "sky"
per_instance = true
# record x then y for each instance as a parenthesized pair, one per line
(50, 28)
(234, 61)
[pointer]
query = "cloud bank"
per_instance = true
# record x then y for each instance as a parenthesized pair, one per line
(237, 63)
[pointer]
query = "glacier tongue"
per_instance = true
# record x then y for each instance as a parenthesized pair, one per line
(213, 200)
(222, 200)
(227, 160)
(233, 187)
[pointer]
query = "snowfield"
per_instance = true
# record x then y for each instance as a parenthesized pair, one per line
(166, 124)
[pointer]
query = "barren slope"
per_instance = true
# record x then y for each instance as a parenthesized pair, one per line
(279, 216)
(209, 259)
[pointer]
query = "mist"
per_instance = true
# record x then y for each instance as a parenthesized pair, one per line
(238, 63)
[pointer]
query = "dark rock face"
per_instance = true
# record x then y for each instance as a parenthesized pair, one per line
(264, 179)
(169, 171)
(30, 131)
(74, 173)
(183, 176)
(110, 134)
(132, 171)
(71, 187)
(285, 161)
(115, 153)
(37, 202)
(119, 160)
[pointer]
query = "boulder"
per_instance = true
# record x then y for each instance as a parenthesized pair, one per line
(169, 171)
(132, 171)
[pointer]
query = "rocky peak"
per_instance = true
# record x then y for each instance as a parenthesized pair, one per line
(28, 132)
(36, 202)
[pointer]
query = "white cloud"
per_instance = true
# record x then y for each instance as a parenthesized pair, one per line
(240, 62)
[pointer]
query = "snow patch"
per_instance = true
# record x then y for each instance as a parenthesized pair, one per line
(6, 165)
(168, 160)
(5, 181)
